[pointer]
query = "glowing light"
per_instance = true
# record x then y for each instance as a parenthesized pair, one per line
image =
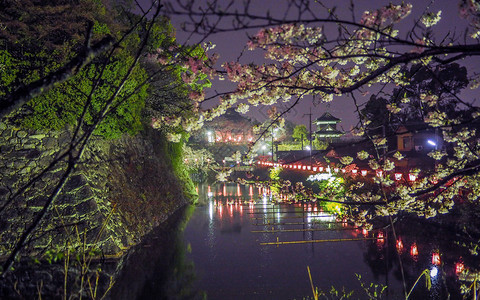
(436, 258)
(309, 167)
(304, 167)
(398, 176)
(364, 172)
(412, 177)
(433, 272)
(459, 267)
(343, 170)
(319, 177)
(336, 170)
(320, 169)
(399, 245)
(307, 148)
(414, 250)
(432, 143)
(380, 239)
(379, 173)
(314, 169)
(210, 210)
(364, 232)
(354, 171)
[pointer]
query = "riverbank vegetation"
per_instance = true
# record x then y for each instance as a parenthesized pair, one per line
(85, 69)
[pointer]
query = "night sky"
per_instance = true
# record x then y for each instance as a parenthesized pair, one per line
(229, 45)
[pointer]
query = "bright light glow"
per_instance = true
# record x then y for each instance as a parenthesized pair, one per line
(436, 258)
(314, 169)
(209, 132)
(430, 142)
(269, 153)
(399, 245)
(364, 172)
(412, 177)
(433, 272)
(459, 267)
(354, 171)
(379, 173)
(414, 250)
(319, 216)
(319, 177)
(264, 147)
(398, 176)
(308, 148)
(210, 210)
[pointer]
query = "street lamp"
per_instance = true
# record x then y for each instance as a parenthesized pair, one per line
(209, 136)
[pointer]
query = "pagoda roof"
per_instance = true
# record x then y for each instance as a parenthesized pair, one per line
(327, 118)
(329, 133)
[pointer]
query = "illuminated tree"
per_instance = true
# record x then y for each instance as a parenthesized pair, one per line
(312, 53)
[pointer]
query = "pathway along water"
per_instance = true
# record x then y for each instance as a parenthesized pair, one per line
(237, 245)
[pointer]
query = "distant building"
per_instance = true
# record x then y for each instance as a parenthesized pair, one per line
(418, 137)
(231, 128)
(327, 127)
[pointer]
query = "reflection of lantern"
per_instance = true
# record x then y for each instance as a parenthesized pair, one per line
(364, 172)
(412, 177)
(398, 176)
(414, 250)
(380, 238)
(459, 267)
(436, 258)
(314, 169)
(399, 245)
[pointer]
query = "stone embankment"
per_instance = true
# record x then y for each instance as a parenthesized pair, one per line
(119, 192)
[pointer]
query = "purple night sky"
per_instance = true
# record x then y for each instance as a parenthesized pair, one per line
(229, 46)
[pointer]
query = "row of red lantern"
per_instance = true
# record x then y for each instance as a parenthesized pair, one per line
(378, 173)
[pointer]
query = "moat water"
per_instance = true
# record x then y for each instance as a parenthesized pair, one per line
(236, 244)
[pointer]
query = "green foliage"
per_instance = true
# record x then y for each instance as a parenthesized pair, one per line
(8, 70)
(64, 104)
(300, 132)
(275, 180)
(275, 173)
(175, 153)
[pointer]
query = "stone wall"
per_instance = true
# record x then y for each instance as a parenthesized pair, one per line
(119, 192)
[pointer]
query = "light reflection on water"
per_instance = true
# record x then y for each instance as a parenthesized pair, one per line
(225, 234)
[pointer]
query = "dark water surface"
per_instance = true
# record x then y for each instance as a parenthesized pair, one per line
(220, 253)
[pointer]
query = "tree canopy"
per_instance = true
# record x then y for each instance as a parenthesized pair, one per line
(311, 52)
